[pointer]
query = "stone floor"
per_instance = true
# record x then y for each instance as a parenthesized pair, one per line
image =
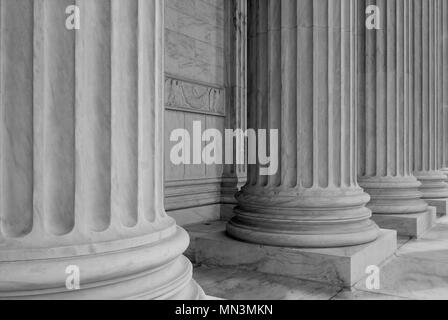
(418, 270)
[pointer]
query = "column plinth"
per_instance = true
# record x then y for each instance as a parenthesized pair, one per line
(82, 162)
(302, 74)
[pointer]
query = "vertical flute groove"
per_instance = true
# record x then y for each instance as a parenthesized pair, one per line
(93, 116)
(59, 120)
(16, 106)
(125, 124)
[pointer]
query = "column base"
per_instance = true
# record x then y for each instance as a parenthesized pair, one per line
(149, 269)
(311, 218)
(339, 266)
(441, 205)
(191, 292)
(445, 172)
(434, 184)
(408, 225)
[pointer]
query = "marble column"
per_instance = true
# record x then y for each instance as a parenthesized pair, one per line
(81, 155)
(444, 61)
(234, 175)
(439, 81)
(427, 108)
(386, 111)
(302, 82)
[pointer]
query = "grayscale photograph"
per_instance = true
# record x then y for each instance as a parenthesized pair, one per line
(224, 155)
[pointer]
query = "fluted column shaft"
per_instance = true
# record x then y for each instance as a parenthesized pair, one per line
(386, 110)
(302, 82)
(444, 61)
(81, 154)
(428, 111)
(439, 80)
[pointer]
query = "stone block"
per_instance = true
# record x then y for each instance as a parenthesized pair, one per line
(337, 266)
(440, 204)
(410, 225)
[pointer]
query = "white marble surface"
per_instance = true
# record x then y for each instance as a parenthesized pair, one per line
(337, 266)
(194, 40)
(413, 225)
(199, 214)
(418, 271)
(243, 285)
(201, 229)
(205, 67)
(363, 295)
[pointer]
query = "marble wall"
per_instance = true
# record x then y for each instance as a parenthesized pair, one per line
(194, 91)
(194, 40)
